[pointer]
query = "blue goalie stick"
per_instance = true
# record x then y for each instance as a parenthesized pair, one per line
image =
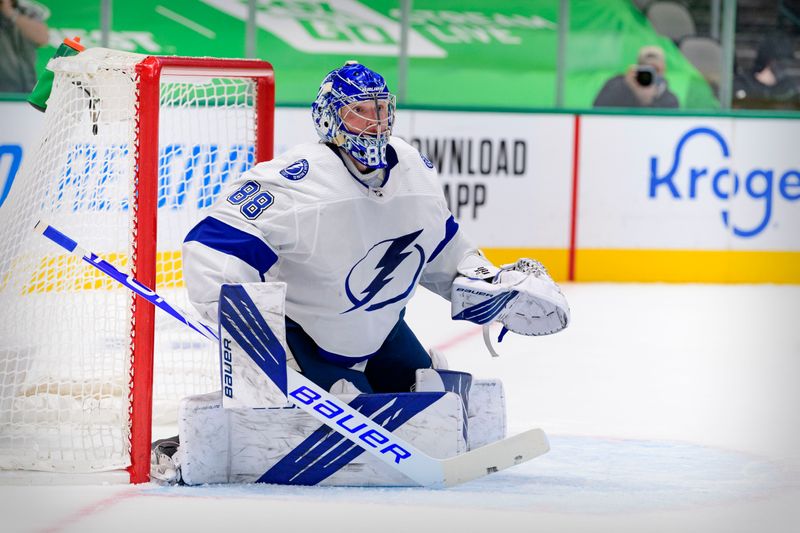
(329, 410)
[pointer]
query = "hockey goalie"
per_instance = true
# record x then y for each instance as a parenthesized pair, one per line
(322, 248)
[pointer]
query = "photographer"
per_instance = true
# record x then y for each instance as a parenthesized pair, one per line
(643, 85)
(22, 31)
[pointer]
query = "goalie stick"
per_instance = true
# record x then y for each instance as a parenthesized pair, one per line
(309, 397)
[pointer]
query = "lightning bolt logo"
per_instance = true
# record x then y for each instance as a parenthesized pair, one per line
(394, 255)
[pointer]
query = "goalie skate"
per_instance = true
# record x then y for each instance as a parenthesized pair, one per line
(164, 468)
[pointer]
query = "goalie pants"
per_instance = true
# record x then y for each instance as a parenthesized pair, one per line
(391, 369)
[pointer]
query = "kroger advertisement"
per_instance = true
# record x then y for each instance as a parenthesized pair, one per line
(689, 183)
(687, 186)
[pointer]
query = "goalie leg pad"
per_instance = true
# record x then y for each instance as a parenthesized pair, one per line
(249, 381)
(288, 446)
(432, 380)
(487, 418)
(483, 401)
(435, 380)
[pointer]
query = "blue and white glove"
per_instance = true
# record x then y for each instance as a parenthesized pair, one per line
(521, 296)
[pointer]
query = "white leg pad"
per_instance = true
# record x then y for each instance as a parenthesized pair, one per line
(245, 445)
(244, 383)
(487, 413)
(439, 380)
(484, 402)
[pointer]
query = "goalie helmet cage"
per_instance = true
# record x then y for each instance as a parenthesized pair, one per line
(134, 149)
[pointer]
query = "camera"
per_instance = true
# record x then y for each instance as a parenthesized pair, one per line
(645, 75)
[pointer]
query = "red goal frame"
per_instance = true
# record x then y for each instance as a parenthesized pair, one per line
(145, 206)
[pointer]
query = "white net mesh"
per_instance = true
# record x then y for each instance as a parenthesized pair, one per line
(65, 333)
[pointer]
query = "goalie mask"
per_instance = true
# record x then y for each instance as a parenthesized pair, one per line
(355, 111)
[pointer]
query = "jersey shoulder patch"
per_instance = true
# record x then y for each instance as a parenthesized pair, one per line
(296, 171)
(426, 160)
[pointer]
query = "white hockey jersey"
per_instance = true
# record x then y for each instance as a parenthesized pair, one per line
(351, 255)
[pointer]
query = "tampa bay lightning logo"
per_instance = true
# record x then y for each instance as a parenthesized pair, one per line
(386, 274)
(296, 171)
(426, 161)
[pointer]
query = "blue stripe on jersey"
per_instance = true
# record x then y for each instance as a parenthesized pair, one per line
(224, 238)
(450, 230)
(325, 452)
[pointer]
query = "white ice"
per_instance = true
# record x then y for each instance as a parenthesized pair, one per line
(669, 408)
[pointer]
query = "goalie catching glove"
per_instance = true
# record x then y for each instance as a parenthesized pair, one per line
(521, 296)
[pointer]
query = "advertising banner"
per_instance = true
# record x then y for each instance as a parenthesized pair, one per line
(506, 178)
(689, 183)
(654, 189)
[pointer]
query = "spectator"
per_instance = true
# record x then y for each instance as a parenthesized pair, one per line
(766, 85)
(22, 31)
(643, 85)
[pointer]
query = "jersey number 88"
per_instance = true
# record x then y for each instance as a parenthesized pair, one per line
(252, 202)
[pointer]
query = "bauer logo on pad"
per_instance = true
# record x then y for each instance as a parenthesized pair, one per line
(296, 171)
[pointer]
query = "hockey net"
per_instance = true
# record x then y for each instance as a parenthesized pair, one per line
(134, 150)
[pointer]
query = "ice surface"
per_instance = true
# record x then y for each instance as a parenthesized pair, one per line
(669, 407)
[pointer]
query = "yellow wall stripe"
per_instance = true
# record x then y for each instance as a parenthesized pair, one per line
(687, 266)
(677, 266)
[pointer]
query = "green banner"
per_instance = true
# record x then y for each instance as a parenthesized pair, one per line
(463, 53)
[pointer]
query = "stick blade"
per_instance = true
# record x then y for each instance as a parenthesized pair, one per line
(495, 457)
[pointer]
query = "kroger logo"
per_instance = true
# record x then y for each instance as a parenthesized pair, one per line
(762, 184)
